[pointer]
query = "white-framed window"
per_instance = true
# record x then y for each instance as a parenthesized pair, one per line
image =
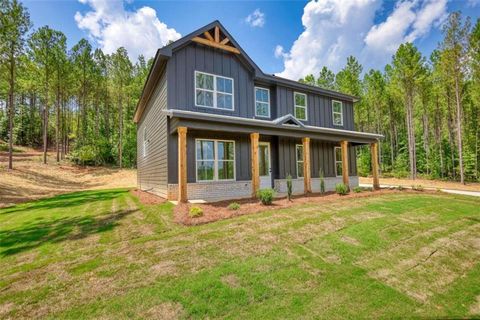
(300, 101)
(215, 160)
(299, 155)
(262, 102)
(338, 162)
(145, 141)
(337, 112)
(212, 91)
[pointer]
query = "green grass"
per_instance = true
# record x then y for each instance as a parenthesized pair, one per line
(101, 254)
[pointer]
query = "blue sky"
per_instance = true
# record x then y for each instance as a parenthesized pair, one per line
(286, 38)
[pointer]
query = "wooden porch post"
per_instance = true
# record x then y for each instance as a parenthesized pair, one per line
(346, 179)
(307, 184)
(254, 137)
(374, 152)
(182, 164)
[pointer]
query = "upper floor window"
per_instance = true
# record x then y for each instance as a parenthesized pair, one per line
(145, 141)
(215, 160)
(300, 100)
(262, 102)
(213, 91)
(299, 155)
(337, 111)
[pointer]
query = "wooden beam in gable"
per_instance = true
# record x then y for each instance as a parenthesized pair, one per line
(216, 45)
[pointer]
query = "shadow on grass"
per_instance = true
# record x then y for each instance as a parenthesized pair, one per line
(36, 234)
(66, 200)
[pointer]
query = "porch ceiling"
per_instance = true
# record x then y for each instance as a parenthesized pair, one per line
(214, 122)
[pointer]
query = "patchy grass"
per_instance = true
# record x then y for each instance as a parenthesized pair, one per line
(102, 254)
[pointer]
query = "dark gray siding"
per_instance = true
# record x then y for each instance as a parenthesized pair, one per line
(319, 109)
(322, 156)
(181, 88)
(152, 168)
(181, 70)
(242, 154)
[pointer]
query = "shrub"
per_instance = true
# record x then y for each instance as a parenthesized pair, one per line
(322, 181)
(289, 187)
(195, 212)
(357, 189)
(341, 189)
(234, 206)
(419, 187)
(400, 188)
(266, 196)
(84, 155)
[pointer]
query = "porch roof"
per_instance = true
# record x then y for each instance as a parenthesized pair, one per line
(276, 127)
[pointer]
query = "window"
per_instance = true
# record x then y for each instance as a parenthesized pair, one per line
(337, 111)
(213, 91)
(299, 153)
(215, 160)
(262, 102)
(338, 162)
(300, 106)
(145, 141)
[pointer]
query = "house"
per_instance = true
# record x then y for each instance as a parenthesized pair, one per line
(211, 125)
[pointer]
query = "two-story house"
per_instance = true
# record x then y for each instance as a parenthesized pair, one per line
(212, 125)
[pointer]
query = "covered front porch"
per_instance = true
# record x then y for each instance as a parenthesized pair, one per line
(263, 156)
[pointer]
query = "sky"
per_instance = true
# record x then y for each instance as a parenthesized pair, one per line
(286, 38)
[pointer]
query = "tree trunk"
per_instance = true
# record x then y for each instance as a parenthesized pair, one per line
(459, 129)
(451, 131)
(57, 129)
(120, 130)
(11, 111)
(411, 136)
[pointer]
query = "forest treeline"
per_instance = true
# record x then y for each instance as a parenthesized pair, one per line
(80, 101)
(77, 101)
(428, 108)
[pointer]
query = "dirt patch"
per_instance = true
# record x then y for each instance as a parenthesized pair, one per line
(30, 179)
(5, 308)
(166, 310)
(350, 240)
(147, 197)
(475, 308)
(219, 210)
(471, 186)
(231, 280)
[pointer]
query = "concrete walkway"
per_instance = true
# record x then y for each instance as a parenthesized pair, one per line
(462, 192)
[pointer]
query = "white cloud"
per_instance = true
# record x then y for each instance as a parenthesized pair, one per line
(336, 29)
(112, 26)
(256, 18)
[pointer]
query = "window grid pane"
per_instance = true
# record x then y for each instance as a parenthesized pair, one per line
(300, 113)
(215, 160)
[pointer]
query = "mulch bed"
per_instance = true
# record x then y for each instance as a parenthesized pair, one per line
(215, 211)
(147, 198)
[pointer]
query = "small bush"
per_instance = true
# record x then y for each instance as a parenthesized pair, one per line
(195, 212)
(419, 187)
(266, 196)
(289, 187)
(400, 188)
(357, 189)
(234, 206)
(322, 181)
(341, 189)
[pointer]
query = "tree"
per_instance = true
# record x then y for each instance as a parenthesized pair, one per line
(121, 69)
(454, 58)
(348, 79)
(326, 79)
(43, 44)
(14, 24)
(61, 70)
(408, 70)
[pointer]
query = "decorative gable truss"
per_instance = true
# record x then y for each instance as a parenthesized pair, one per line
(218, 40)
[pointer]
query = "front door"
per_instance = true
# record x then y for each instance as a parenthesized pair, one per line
(264, 165)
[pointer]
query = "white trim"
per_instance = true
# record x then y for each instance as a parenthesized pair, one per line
(337, 161)
(215, 161)
(255, 101)
(214, 91)
(304, 107)
(176, 113)
(266, 143)
(297, 160)
(341, 113)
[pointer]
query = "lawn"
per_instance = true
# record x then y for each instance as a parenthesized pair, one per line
(102, 254)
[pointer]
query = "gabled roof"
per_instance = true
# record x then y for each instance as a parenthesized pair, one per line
(288, 119)
(164, 53)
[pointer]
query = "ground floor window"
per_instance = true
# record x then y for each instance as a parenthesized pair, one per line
(215, 160)
(299, 152)
(338, 161)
